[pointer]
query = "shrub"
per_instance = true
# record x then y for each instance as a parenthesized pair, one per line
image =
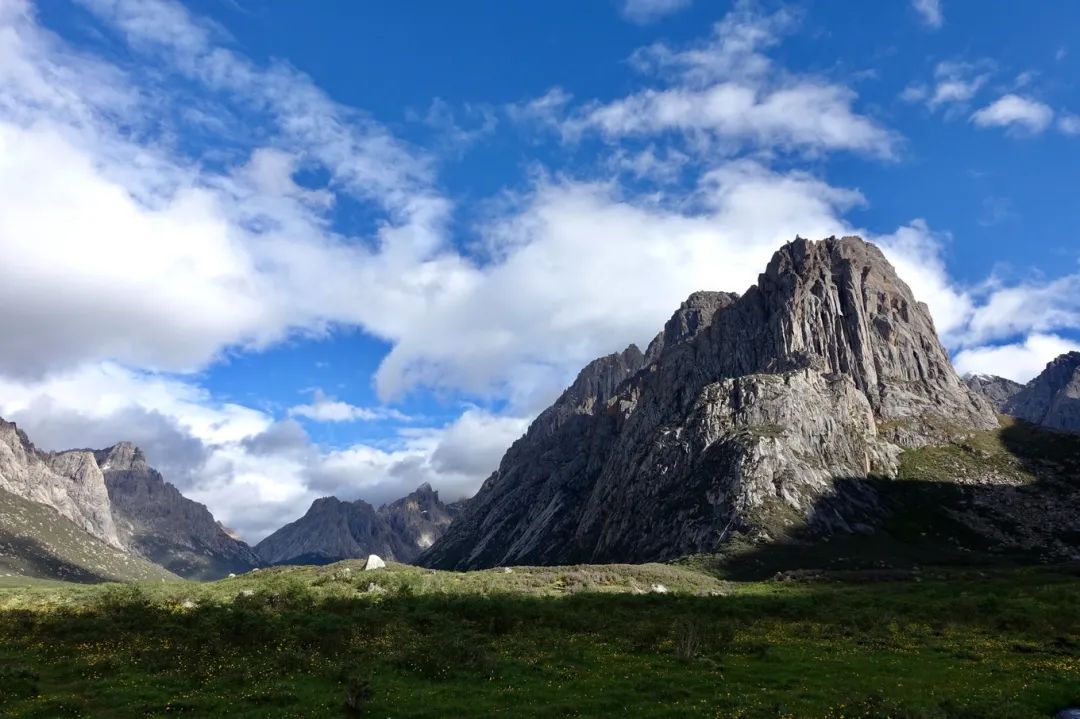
(358, 693)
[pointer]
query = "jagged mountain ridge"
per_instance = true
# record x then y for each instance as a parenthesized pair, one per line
(741, 413)
(998, 391)
(333, 529)
(159, 523)
(1052, 399)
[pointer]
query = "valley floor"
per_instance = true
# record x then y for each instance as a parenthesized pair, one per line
(543, 642)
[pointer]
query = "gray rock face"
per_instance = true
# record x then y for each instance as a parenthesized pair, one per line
(333, 530)
(998, 391)
(69, 482)
(419, 519)
(157, 522)
(1053, 398)
(737, 419)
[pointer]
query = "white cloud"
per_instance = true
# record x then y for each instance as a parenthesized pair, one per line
(1069, 124)
(646, 11)
(726, 94)
(1020, 361)
(955, 84)
(324, 408)
(577, 270)
(1016, 113)
(135, 253)
(1039, 306)
(929, 12)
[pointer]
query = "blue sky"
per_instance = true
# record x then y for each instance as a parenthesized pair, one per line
(297, 249)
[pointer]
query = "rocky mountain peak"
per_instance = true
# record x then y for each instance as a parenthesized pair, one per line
(122, 456)
(156, 521)
(746, 408)
(333, 529)
(1052, 399)
(998, 391)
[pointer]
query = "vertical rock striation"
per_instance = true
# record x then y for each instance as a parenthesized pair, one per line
(69, 482)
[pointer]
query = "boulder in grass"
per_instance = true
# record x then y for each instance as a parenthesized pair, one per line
(374, 561)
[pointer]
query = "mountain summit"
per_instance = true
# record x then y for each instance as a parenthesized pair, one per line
(739, 416)
(159, 523)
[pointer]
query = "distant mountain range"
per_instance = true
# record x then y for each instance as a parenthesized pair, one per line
(333, 530)
(91, 515)
(779, 418)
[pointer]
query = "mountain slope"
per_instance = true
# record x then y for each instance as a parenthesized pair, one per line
(736, 421)
(1053, 398)
(155, 520)
(332, 530)
(37, 541)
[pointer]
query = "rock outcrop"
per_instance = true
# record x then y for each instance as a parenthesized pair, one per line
(1053, 398)
(737, 419)
(333, 530)
(69, 482)
(418, 519)
(156, 521)
(998, 391)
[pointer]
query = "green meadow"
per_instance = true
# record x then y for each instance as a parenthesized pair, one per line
(587, 641)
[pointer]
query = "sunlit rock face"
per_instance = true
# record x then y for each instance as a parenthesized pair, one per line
(70, 482)
(737, 418)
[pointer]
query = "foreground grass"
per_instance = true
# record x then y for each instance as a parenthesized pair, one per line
(584, 641)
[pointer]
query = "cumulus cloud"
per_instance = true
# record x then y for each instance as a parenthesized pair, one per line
(1069, 124)
(1016, 113)
(1018, 361)
(929, 12)
(324, 408)
(139, 254)
(726, 91)
(643, 12)
(955, 84)
(578, 270)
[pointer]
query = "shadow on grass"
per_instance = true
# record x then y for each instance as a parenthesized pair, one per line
(293, 651)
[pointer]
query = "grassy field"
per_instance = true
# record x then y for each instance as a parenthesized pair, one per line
(572, 641)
